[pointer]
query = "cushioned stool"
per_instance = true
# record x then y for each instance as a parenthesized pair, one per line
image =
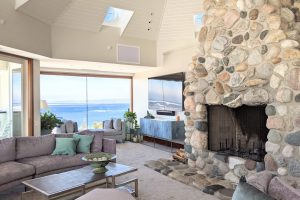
(107, 194)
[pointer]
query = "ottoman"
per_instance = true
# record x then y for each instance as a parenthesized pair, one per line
(107, 194)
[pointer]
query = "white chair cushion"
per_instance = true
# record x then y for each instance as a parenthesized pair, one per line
(107, 194)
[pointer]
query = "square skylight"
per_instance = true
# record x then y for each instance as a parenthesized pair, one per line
(118, 18)
(198, 21)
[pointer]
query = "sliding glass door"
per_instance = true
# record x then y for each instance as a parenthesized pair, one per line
(85, 100)
(11, 99)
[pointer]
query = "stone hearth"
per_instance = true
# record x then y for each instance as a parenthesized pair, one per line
(247, 54)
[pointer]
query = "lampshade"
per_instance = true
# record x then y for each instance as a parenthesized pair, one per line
(44, 104)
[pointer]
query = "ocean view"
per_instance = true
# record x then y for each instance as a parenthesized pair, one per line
(87, 116)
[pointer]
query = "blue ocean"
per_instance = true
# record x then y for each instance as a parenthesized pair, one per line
(87, 116)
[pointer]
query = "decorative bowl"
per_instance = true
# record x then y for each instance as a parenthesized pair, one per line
(98, 161)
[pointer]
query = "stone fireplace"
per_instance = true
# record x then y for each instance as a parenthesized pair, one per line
(240, 132)
(247, 55)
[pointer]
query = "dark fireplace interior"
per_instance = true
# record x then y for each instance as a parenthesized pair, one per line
(238, 131)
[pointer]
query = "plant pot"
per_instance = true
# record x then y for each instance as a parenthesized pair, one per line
(46, 131)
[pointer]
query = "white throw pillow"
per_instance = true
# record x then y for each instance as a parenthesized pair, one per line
(69, 126)
(107, 124)
(117, 124)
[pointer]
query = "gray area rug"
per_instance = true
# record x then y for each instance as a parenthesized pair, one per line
(152, 185)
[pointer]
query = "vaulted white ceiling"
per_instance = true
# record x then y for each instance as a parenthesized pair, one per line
(171, 21)
(88, 15)
(177, 28)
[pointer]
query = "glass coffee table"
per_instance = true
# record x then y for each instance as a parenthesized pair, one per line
(74, 183)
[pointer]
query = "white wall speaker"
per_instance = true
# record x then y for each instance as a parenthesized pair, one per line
(128, 54)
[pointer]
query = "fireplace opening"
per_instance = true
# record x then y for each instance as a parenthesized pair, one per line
(238, 131)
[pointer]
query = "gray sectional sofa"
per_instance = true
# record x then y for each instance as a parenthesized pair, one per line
(113, 129)
(110, 130)
(23, 158)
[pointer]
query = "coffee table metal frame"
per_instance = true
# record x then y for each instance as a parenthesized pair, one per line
(77, 185)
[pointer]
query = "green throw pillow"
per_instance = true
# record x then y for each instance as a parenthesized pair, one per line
(83, 143)
(65, 146)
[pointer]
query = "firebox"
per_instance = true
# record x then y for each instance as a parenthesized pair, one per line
(238, 131)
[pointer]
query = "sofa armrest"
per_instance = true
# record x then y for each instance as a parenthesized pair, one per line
(109, 145)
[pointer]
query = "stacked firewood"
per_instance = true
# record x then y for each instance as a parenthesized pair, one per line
(180, 156)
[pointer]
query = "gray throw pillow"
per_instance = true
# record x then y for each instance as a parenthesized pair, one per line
(107, 124)
(63, 128)
(245, 191)
(279, 189)
(69, 126)
(261, 180)
(75, 127)
(117, 124)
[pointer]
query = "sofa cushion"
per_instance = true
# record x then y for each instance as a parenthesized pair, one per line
(279, 189)
(12, 171)
(69, 126)
(109, 132)
(107, 124)
(44, 164)
(261, 180)
(34, 146)
(63, 128)
(63, 135)
(7, 149)
(117, 124)
(97, 143)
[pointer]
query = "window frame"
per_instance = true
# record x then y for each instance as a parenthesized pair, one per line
(95, 76)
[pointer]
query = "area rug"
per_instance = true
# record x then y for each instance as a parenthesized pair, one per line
(152, 185)
(191, 176)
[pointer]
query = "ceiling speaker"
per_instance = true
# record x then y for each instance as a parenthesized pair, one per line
(128, 54)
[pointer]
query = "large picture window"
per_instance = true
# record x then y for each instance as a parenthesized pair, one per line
(86, 100)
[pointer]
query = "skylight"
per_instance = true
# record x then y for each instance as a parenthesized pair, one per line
(198, 21)
(118, 18)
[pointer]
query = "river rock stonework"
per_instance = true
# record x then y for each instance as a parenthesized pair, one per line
(248, 53)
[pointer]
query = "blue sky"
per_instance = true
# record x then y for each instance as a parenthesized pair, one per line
(72, 89)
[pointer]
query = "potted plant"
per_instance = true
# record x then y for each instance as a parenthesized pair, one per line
(131, 124)
(131, 119)
(48, 122)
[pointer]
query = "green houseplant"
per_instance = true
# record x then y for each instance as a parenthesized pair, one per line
(48, 122)
(132, 127)
(131, 119)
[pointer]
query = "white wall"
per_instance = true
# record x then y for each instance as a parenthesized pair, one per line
(23, 32)
(76, 44)
(173, 62)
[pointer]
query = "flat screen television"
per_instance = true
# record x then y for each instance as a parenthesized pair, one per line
(165, 92)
